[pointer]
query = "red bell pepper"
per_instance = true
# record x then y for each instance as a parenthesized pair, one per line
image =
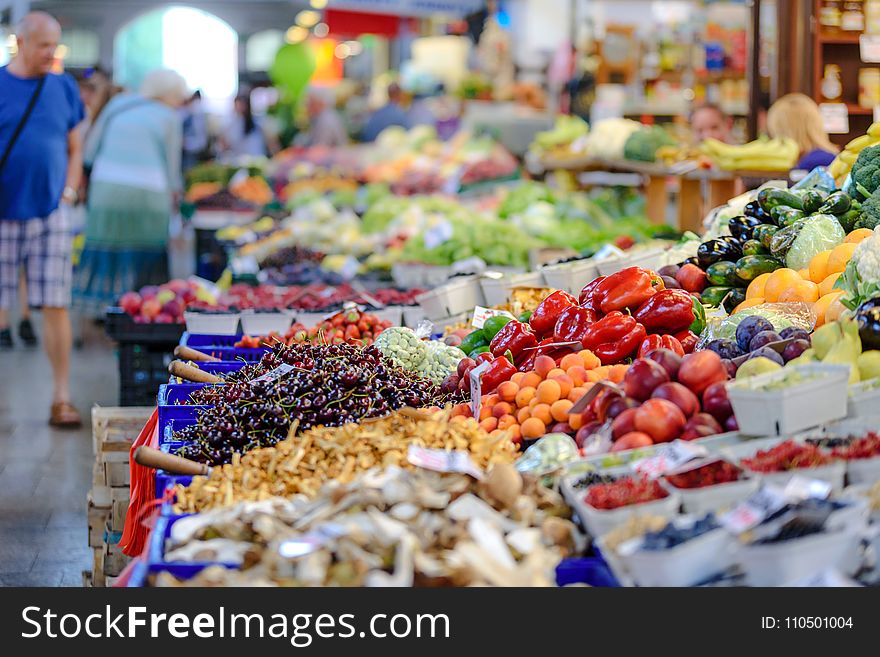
(688, 340)
(526, 360)
(484, 357)
(588, 298)
(653, 342)
(514, 337)
(667, 312)
(544, 318)
(622, 348)
(628, 288)
(573, 323)
(499, 371)
(614, 337)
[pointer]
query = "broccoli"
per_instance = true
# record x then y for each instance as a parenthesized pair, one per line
(866, 171)
(643, 144)
(869, 216)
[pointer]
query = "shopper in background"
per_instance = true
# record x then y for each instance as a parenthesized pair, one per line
(421, 112)
(325, 125)
(243, 134)
(710, 121)
(195, 130)
(40, 169)
(134, 151)
(385, 117)
(797, 117)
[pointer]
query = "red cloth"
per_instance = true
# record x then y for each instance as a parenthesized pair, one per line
(143, 491)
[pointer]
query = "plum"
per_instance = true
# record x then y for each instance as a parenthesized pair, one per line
(642, 377)
(725, 348)
(730, 366)
(763, 338)
(794, 332)
(795, 349)
(749, 328)
(667, 359)
(670, 283)
(669, 270)
(767, 352)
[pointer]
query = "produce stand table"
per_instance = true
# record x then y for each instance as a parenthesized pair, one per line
(211, 258)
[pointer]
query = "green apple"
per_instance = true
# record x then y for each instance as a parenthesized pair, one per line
(755, 366)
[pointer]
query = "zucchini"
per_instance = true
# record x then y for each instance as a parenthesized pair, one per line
(848, 219)
(836, 203)
(789, 217)
(735, 297)
(748, 268)
(712, 296)
(764, 234)
(813, 200)
(754, 247)
(771, 197)
(722, 273)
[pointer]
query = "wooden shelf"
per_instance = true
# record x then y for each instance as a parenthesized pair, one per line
(840, 38)
(858, 109)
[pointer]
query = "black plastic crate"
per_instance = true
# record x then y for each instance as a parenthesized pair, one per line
(122, 328)
(142, 369)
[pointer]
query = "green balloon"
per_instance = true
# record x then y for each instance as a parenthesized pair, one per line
(293, 68)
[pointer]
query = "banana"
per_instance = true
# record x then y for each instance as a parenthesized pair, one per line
(848, 156)
(857, 144)
(874, 129)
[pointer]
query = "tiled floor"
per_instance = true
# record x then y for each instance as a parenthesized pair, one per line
(45, 473)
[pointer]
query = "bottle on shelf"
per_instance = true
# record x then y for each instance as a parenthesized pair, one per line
(830, 16)
(831, 87)
(872, 16)
(852, 18)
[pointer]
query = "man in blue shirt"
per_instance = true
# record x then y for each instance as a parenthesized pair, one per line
(38, 180)
(387, 116)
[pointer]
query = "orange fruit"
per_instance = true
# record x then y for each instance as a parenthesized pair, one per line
(543, 365)
(577, 374)
(507, 391)
(542, 413)
(576, 421)
(827, 284)
(559, 410)
(485, 412)
(524, 396)
(506, 421)
(530, 380)
(617, 372)
(570, 360)
(556, 371)
(804, 273)
(821, 307)
(778, 282)
(858, 235)
(576, 393)
(532, 428)
(491, 400)
(489, 424)
(548, 391)
(515, 432)
(819, 266)
(806, 291)
(565, 384)
(748, 303)
(501, 408)
(534, 402)
(840, 255)
(523, 414)
(835, 309)
(517, 378)
(756, 287)
(591, 360)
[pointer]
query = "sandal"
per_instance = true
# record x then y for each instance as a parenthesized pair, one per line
(64, 416)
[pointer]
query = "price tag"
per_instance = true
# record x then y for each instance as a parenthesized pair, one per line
(800, 488)
(869, 48)
(835, 118)
(669, 457)
(476, 388)
(438, 234)
(482, 314)
(275, 374)
(581, 404)
(754, 510)
(441, 460)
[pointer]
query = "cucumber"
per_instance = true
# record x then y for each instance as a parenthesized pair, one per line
(735, 297)
(722, 273)
(748, 268)
(848, 219)
(771, 197)
(473, 340)
(764, 234)
(812, 200)
(788, 217)
(836, 203)
(754, 247)
(712, 296)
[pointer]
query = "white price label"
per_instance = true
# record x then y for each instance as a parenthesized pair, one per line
(835, 118)
(275, 374)
(751, 513)
(800, 488)
(869, 48)
(482, 314)
(441, 460)
(438, 234)
(476, 388)
(669, 457)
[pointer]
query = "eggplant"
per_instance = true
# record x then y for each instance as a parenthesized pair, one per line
(693, 260)
(813, 200)
(741, 227)
(868, 318)
(733, 298)
(836, 203)
(753, 209)
(712, 251)
(735, 247)
(754, 247)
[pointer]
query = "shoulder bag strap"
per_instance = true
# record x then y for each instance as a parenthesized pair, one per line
(23, 122)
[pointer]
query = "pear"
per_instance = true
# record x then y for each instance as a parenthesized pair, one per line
(809, 356)
(825, 337)
(869, 365)
(755, 366)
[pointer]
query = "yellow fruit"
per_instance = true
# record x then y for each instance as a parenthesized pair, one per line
(820, 308)
(748, 303)
(827, 284)
(840, 255)
(835, 309)
(804, 273)
(858, 235)
(805, 291)
(819, 266)
(756, 287)
(778, 282)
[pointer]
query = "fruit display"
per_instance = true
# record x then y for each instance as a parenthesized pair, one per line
(305, 463)
(253, 189)
(842, 164)
(433, 543)
(624, 492)
(840, 343)
(711, 474)
(752, 341)
(788, 455)
(860, 280)
(164, 304)
(351, 326)
(325, 385)
(677, 532)
(759, 155)
(564, 141)
(865, 447)
(643, 144)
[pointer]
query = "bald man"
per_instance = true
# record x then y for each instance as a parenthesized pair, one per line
(40, 167)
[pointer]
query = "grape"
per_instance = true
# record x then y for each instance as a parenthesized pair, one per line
(795, 349)
(794, 332)
(725, 348)
(763, 338)
(767, 352)
(749, 328)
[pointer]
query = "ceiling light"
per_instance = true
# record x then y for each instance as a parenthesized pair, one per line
(308, 18)
(295, 34)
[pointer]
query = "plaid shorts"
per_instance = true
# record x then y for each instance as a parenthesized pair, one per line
(43, 246)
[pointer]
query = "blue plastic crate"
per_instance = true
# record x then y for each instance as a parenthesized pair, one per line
(590, 570)
(222, 347)
(166, 435)
(166, 479)
(177, 393)
(177, 412)
(220, 368)
(156, 549)
(200, 340)
(182, 571)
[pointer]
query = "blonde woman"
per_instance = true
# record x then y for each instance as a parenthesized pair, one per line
(797, 117)
(134, 151)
